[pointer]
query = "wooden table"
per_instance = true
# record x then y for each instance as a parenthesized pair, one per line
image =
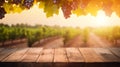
(60, 57)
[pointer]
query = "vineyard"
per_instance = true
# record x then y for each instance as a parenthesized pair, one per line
(111, 34)
(60, 33)
(32, 34)
(35, 33)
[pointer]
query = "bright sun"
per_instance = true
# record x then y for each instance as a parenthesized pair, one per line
(101, 18)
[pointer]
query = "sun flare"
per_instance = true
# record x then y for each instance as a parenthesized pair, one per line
(101, 18)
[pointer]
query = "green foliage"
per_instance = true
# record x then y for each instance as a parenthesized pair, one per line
(51, 7)
(4, 33)
(36, 33)
(85, 34)
(70, 33)
(12, 8)
(11, 33)
(111, 34)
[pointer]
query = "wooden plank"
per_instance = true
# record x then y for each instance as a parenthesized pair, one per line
(6, 52)
(90, 55)
(116, 51)
(31, 55)
(46, 58)
(47, 55)
(74, 55)
(106, 55)
(60, 55)
(60, 58)
(16, 56)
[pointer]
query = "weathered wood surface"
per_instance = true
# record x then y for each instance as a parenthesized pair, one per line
(90, 55)
(47, 55)
(5, 53)
(60, 57)
(16, 56)
(107, 55)
(31, 55)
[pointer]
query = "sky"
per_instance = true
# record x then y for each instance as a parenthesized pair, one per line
(37, 16)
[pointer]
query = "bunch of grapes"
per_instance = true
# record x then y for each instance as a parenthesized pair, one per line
(75, 4)
(28, 3)
(1, 2)
(2, 12)
(66, 8)
(107, 8)
(17, 1)
(84, 3)
(56, 1)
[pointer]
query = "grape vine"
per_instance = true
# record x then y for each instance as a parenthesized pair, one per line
(28, 3)
(50, 7)
(2, 12)
(17, 2)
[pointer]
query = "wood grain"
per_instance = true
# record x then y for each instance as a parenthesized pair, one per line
(90, 55)
(60, 55)
(47, 55)
(107, 55)
(6, 52)
(16, 56)
(31, 55)
(74, 55)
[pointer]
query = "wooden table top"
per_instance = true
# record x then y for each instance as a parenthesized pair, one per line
(60, 55)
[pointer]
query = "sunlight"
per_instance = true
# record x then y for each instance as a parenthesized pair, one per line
(101, 18)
